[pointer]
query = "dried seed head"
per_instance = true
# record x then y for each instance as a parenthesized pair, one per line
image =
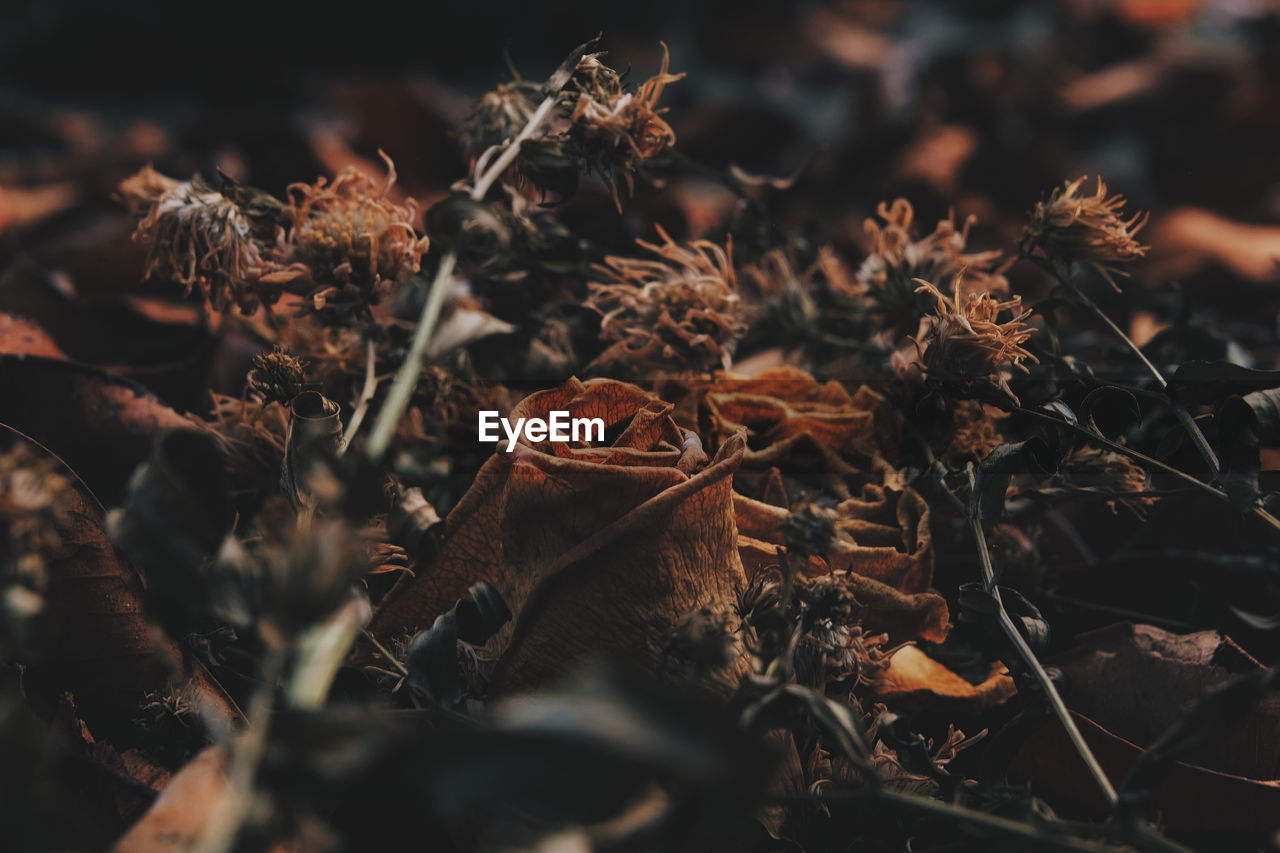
(1086, 228)
(614, 130)
(809, 531)
(1110, 473)
(898, 258)
(201, 237)
(349, 242)
(277, 375)
(682, 311)
(967, 343)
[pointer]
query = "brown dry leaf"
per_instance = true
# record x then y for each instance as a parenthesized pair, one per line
(596, 550)
(887, 565)
(19, 336)
(100, 424)
(915, 679)
(1186, 239)
(179, 816)
(104, 649)
(1127, 683)
(1113, 674)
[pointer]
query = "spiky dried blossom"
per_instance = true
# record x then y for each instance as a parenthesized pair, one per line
(898, 257)
(277, 374)
(499, 115)
(1109, 473)
(349, 242)
(1089, 229)
(966, 342)
(681, 312)
(612, 129)
(201, 237)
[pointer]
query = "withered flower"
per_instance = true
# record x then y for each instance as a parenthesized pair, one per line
(1089, 229)
(974, 432)
(500, 115)
(349, 241)
(613, 130)
(898, 258)
(966, 342)
(680, 312)
(202, 237)
(1109, 473)
(277, 375)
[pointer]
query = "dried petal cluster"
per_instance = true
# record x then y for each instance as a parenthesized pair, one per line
(349, 242)
(341, 244)
(967, 342)
(898, 257)
(680, 312)
(200, 237)
(1109, 473)
(1090, 229)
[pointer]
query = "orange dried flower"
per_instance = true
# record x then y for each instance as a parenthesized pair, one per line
(898, 258)
(966, 342)
(1088, 229)
(682, 311)
(349, 242)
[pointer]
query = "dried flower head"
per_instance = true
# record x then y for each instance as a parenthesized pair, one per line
(966, 342)
(613, 130)
(500, 115)
(898, 258)
(277, 375)
(974, 432)
(809, 531)
(31, 510)
(349, 242)
(1110, 473)
(1086, 228)
(682, 311)
(202, 236)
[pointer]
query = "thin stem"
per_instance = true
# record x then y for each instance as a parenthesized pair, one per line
(385, 652)
(366, 396)
(1029, 658)
(1184, 417)
(230, 811)
(393, 408)
(1139, 456)
(406, 380)
(1029, 834)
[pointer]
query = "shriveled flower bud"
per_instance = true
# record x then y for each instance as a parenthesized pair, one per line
(277, 375)
(974, 432)
(682, 311)
(1088, 229)
(898, 257)
(809, 531)
(966, 342)
(500, 115)
(1111, 474)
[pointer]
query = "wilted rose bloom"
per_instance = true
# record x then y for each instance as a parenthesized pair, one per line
(680, 312)
(200, 237)
(1086, 228)
(898, 258)
(966, 342)
(1110, 473)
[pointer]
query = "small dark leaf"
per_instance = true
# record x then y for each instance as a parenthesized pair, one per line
(1199, 382)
